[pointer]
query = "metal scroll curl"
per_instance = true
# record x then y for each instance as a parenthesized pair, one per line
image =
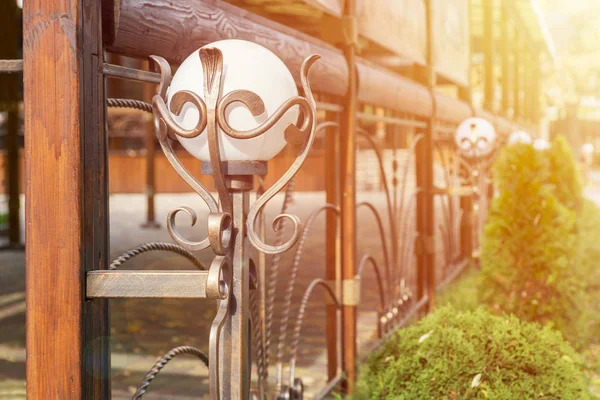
(165, 127)
(293, 134)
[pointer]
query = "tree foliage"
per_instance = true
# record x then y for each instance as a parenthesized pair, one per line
(528, 245)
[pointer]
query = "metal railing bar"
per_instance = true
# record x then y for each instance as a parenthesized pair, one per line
(118, 71)
(11, 66)
(332, 107)
(391, 120)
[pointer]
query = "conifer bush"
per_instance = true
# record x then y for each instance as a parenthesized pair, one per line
(473, 355)
(528, 245)
(564, 174)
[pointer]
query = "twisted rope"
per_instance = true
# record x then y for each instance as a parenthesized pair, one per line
(257, 336)
(160, 364)
(129, 103)
(274, 272)
(155, 246)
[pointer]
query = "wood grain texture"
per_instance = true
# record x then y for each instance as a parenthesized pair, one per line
(175, 29)
(66, 209)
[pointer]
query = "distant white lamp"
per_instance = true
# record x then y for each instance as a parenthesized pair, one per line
(475, 137)
(587, 151)
(246, 66)
(541, 144)
(520, 137)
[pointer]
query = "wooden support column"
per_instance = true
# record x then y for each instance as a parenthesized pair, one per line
(332, 238)
(506, 22)
(517, 112)
(66, 208)
(424, 174)
(489, 51)
(536, 89)
(348, 198)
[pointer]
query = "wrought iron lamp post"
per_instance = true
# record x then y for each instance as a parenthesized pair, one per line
(234, 105)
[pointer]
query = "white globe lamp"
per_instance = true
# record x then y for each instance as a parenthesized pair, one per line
(519, 137)
(541, 144)
(246, 66)
(475, 137)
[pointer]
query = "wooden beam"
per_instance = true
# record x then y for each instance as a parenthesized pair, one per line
(157, 26)
(140, 29)
(66, 208)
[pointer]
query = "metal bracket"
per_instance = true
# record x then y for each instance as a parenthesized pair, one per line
(461, 191)
(147, 284)
(424, 245)
(351, 292)
(334, 285)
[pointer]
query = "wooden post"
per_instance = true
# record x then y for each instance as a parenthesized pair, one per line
(424, 173)
(332, 239)
(536, 89)
(517, 113)
(348, 199)
(489, 51)
(66, 209)
(506, 70)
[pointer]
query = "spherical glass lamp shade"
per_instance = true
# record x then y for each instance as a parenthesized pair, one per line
(519, 137)
(475, 137)
(541, 144)
(246, 66)
(587, 148)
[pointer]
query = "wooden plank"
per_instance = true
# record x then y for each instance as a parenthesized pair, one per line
(383, 88)
(451, 40)
(175, 29)
(147, 284)
(397, 25)
(66, 209)
(157, 26)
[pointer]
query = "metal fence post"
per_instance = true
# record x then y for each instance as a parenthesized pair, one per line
(425, 183)
(67, 207)
(150, 145)
(348, 196)
(332, 239)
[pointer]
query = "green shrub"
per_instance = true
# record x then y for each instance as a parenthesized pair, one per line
(473, 355)
(528, 246)
(564, 174)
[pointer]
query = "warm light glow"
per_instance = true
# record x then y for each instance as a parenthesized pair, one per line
(246, 66)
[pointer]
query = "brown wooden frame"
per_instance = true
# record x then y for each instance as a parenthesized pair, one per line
(66, 189)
